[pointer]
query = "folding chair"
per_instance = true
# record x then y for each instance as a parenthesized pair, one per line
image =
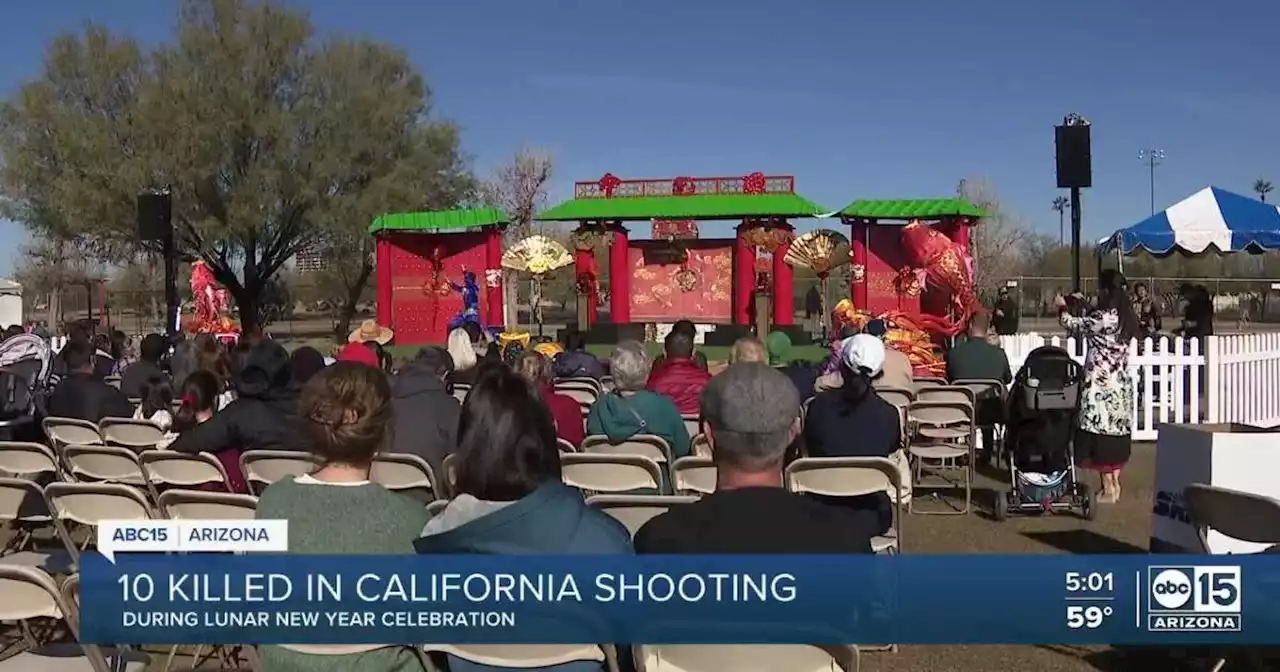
(565, 446)
(33, 461)
(1239, 515)
(405, 473)
(166, 469)
(103, 464)
(435, 506)
(584, 382)
(131, 433)
(952, 393)
(896, 395)
(23, 506)
(201, 505)
(460, 391)
(450, 468)
(634, 511)
(593, 472)
(577, 392)
(29, 593)
(700, 446)
(983, 390)
(264, 467)
(647, 445)
(852, 477)
(525, 656)
(745, 658)
(918, 384)
(89, 503)
(692, 424)
(942, 440)
(693, 474)
(68, 431)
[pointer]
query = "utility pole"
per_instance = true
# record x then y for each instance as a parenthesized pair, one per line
(1153, 158)
(1060, 205)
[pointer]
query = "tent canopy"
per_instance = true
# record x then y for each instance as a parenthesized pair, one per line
(1210, 219)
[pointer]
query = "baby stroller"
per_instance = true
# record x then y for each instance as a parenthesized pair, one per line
(26, 363)
(1043, 404)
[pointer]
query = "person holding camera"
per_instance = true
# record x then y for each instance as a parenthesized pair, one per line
(1104, 426)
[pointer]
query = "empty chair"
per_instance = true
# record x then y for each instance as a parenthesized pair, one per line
(105, 464)
(634, 511)
(1242, 516)
(610, 473)
(200, 505)
(132, 433)
(745, 658)
(647, 445)
(851, 477)
(264, 467)
(927, 381)
(67, 431)
(88, 503)
(692, 424)
(942, 444)
(896, 395)
(953, 393)
(22, 505)
(693, 475)
(165, 469)
(402, 472)
(527, 656)
(28, 460)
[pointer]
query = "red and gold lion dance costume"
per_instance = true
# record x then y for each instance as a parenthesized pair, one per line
(212, 305)
(904, 335)
(934, 258)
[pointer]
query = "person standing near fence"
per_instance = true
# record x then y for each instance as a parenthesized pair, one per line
(1104, 427)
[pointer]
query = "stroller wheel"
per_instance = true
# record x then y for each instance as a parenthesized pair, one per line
(1001, 509)
(1089, 507)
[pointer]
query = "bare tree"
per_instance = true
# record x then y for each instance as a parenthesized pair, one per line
(520, 190)
(998, 243)
(52, 266)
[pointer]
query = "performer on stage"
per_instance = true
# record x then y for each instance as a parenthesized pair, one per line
(470, 291)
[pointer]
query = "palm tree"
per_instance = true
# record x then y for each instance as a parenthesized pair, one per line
(1262, 188)
(1060, 204)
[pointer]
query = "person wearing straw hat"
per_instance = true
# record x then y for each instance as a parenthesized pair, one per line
(371, 331)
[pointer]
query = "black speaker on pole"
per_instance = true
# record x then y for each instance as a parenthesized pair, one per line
(1075, 161)
(155, 215)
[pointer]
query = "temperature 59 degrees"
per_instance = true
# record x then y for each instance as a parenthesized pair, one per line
(1091, 616)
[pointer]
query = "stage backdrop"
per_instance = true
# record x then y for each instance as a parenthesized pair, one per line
(656, 295)
(884, 258)
(422, 302)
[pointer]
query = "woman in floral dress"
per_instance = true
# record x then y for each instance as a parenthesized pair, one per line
(1105, 425)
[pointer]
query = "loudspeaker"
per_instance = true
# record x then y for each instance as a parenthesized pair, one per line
(1075, 163)
(155, 215)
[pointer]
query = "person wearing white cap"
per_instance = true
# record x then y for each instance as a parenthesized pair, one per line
(853, 421)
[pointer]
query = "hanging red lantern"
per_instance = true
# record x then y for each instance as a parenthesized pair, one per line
(754, 183)
(683, 186)
(608, 184)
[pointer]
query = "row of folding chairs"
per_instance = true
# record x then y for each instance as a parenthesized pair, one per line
(581, 389)
(128, 432)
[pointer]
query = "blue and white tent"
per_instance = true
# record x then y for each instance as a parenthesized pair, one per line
(1209, 220)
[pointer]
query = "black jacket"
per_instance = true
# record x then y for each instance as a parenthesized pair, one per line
(138, 373)
(425, 416)
(85, 397)
(578, 364)
(266, 422)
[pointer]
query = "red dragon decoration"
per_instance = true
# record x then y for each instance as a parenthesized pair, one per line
(934, 258)
(211, 303)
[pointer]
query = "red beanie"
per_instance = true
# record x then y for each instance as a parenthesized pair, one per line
(358, 353)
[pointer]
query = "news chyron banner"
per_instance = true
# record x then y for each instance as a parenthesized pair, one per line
(180, 591)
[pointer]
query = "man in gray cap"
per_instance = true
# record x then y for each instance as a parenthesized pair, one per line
(751, 415)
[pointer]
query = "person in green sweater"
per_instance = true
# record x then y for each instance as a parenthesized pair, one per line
(630, 409)
(336, 510)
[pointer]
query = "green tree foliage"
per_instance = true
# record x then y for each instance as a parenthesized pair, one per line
(271, 139)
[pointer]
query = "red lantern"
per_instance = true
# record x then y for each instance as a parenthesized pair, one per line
(608, 184)
(683, 186)
(753, 183)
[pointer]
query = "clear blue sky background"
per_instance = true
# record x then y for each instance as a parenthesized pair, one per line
(857, 99)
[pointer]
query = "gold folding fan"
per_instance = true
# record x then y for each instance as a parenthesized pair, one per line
(822, 250)
(536, 255)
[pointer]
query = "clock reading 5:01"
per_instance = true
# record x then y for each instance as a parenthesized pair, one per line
(1090, 582)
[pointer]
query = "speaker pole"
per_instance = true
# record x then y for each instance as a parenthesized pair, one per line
(171, 303)
(1075, 239)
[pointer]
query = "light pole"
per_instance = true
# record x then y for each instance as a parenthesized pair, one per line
(1153, 158)
(1060, 204)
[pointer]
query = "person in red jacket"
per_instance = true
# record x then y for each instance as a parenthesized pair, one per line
(534, 367)
(679, 376)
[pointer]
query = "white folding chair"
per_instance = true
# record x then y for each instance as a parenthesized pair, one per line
(692, 424)
(87, 504)
(264, 467)
(647, 445)
(745, 658)
(633, 511)
(1243, 516)
(581, 394)
(896, 395)
(583, 382)
(23, 506)
(526, 656)
(402, 472)
(593, 472)
(68, 431)
(700, 446)
(449, 465)
(166, 469)
(852, 477)
(927, 381)
(565, 446)
(942, 442)
(131, 433)
(103, 464)
(460, 391)
(693, 475)
(33, 461)
(180, 504)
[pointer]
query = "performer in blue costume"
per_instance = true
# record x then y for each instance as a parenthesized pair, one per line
(470, 291)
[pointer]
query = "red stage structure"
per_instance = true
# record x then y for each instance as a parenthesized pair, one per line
(762, 204)
(421, 261)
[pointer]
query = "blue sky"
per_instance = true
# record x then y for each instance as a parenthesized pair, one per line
(856, 99)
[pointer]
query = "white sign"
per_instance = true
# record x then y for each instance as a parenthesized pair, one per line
(192, 536)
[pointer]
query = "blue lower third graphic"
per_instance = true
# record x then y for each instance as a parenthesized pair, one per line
(1195, 598)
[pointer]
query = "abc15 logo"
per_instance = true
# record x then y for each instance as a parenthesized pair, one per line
(1200, 589)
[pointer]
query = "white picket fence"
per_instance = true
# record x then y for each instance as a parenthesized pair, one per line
(1235, 379)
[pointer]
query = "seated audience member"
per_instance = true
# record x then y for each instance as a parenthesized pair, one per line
(385, 361)
(336, 510)
(464, 357)
(898, 371)
(748, 349)
(510, 500)
(81, 394)
(359, 353)
(751, 414)
(575, 361)
(264, 415)
(120, 352)
(687, 328)
(565, 410)
(830, 377)
(976, 357)
(150, 353)
(157, 403)
(198, 401)
(425, 413)
(679, 377)
(104, 364)
(630, 409)
(481, 343)
(304, 363)
(101, 361)
(803, 375)
(853, 421)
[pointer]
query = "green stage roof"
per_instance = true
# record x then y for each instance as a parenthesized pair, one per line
(696, 206)
(926, 208)
(446, 221)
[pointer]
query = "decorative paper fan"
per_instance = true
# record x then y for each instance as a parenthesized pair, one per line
(536, 255)
(822, 250)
